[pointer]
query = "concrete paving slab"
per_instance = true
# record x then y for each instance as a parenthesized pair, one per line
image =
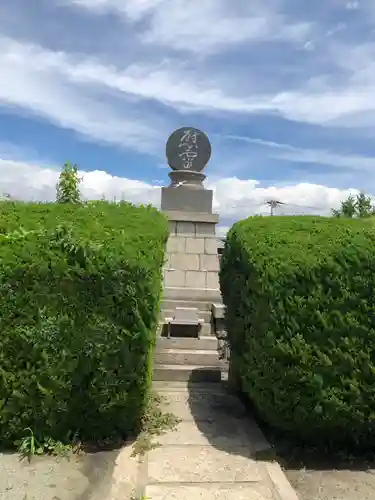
(222, 434)
(107, 475)
(210, 492)
(190, 464)
(219, 417)
(51, 478)
(201, 405)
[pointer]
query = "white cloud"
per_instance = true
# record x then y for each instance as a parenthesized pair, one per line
(353, 5)
(28, 181)
(42, 83)
(233, 198)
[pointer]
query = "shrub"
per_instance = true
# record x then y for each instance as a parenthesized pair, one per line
(299, 293)
(79, 302)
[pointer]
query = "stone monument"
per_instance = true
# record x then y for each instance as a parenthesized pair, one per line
(192, 265)
(191, 293)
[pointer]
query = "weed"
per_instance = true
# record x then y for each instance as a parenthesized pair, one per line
(29, 446)
(155, 422)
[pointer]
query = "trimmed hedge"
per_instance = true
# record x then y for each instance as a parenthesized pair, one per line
(300, 299)
(79, 302)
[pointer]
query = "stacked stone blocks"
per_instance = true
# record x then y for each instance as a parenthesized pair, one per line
(192, 257)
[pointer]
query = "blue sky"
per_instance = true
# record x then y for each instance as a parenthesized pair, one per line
(284, 89)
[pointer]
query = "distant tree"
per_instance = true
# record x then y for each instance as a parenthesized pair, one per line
(67, 189)
(355, 206)
(364, 206)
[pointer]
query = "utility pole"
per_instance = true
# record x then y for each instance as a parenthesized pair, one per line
(273, 204)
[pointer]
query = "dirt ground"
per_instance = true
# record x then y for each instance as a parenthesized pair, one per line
(85, 477)
(332, 484)
(317, 476)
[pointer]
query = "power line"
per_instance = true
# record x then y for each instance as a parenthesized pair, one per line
(273, 204)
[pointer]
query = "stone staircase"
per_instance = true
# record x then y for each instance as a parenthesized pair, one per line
(168, 308)
(187, 358)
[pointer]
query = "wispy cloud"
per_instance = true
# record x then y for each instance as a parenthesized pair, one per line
(202, 26)
(133, 9)
(62, 87)
(54, 91)
(312, 156)
(353, 4)
(208, 25)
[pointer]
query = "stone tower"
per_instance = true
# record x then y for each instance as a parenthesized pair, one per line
(192, 263)
(191, 271)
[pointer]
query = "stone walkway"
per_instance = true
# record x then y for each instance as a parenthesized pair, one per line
(212, 453)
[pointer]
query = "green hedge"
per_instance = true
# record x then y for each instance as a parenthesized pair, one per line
(79, 300)
(300, 298)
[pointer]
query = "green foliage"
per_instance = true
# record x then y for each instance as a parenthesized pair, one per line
(29, 446)
(300, 301)
(79, 301)
(67, 189)
(355, 206)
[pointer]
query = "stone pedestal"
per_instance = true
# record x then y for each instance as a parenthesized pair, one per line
(192, 265)
(192, 256)
(186, 193)
(186, 200)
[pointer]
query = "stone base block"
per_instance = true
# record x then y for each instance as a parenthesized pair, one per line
(182, 244)
(209, 263)
(186, 200)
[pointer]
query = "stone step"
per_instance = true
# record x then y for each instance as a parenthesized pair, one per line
(201, 305)
(188, 357)
(184, 387)
(187, 331)
(208, 343)
(169, 313)
(189, 294)
(182, 373)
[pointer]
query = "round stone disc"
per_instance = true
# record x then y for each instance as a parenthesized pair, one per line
(188, 149)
